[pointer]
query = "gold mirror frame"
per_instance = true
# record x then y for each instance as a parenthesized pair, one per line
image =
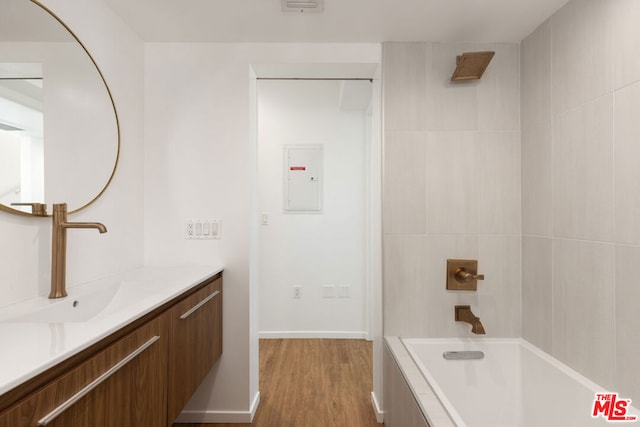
(115, 112)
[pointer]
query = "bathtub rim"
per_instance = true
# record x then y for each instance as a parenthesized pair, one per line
(440, 395)
(429, 404)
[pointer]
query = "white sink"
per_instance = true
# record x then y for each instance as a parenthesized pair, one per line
(82, 304)
(39, 333)
(110, 299)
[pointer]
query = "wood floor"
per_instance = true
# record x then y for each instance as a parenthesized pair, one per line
(313, 382)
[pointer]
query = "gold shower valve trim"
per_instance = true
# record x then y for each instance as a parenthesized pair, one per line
(462, 275)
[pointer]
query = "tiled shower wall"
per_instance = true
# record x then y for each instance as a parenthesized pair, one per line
(581, 190)
(451, 188)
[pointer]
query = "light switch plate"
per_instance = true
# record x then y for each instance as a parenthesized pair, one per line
(215, 228)
(344, 291)
(328, 291)
(201, 229)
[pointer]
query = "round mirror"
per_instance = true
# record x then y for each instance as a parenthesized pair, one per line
(59, 130)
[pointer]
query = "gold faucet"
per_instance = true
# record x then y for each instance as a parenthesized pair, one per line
(38, 209)
(59, 247)
(464, 314)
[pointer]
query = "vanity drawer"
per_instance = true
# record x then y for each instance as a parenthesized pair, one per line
(122, 385)
(196, 343)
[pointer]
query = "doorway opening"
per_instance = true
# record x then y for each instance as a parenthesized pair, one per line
(338, 306)
(312, 144)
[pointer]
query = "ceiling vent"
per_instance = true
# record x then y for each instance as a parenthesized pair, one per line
(302, 6)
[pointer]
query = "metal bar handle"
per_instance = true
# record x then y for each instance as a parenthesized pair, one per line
(198, 305)
(44, 421)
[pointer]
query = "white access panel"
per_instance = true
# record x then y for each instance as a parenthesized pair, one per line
(303, 178)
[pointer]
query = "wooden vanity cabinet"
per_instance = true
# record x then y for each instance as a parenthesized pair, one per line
(132, 393)
(140, 376)
(196, 344)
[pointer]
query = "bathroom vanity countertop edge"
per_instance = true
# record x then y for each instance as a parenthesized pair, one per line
(31, 348)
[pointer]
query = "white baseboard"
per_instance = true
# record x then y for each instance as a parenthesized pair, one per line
(232, 417)
(357, 335)
(377, 409)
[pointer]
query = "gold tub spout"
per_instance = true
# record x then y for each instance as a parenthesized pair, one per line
(464, 314)
(59, 247)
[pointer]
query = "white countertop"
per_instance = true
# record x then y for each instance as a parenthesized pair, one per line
(29, 348)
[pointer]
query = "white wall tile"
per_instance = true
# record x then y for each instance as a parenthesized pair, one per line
(594, 49)
(626, 15)
(405, 192)
(535, 72)
(583, 308)
(583, 172)
(499, 185)
(537, 287)
(452, 182)
(453, 186)
(450, 105)
(627, 172)
(440, 308)
(581, 53)
(404, 71)
(499, 89)
(405, 286)
(627, 375)
(537, 208)
(499, 294)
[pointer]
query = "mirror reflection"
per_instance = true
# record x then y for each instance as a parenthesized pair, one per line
(21, 133)
(59, 136)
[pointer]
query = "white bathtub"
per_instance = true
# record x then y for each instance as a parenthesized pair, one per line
(514, 385)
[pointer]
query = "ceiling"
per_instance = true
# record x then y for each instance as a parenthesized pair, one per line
(342, 20)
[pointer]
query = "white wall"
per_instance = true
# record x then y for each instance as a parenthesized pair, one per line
(201, 160)
(9, 166)
(312, 249)
(581, 186)
(451, 189)
(25, 248)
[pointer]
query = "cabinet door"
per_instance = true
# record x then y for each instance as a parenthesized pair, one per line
(122, 385)
(196, 344)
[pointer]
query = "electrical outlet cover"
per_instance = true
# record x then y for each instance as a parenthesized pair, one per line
(189, 229)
